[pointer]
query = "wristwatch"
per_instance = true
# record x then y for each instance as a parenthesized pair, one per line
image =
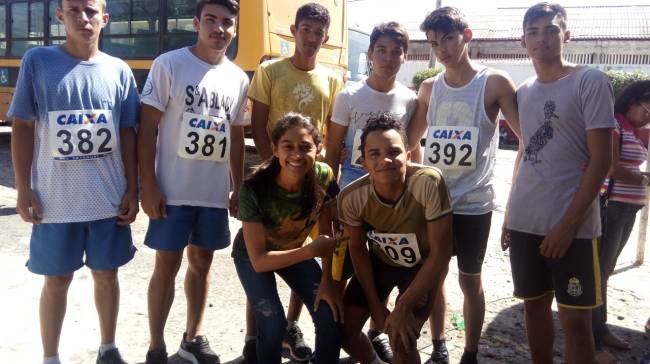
(645, 180)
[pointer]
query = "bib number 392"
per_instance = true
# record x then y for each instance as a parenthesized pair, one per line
(81, 134)
(401, 249)
(204, 137)
(451, 147)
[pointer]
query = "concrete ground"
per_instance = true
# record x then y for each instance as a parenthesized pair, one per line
(503, 339)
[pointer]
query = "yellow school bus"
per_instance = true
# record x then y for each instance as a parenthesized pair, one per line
(140, 30)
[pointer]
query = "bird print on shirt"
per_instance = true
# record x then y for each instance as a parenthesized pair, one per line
(542, 135)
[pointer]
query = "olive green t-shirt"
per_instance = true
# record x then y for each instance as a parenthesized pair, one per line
(277, 209)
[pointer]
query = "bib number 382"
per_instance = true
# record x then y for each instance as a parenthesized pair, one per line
(204, 137)
(81, 134)
(451, 147)
(401, 249)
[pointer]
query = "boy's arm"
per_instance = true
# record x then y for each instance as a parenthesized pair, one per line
(401, 325)
(335, 135)
(507, 99)
(259, 121)
(363, 271)
(418, 123)
(237, 154)
(153, 201)
(559, 238)
(22, 154)
(129, 206)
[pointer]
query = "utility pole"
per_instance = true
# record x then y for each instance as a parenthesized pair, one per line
(432, 57)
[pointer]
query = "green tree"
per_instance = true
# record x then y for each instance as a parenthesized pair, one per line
(420, 76)
(620, 79)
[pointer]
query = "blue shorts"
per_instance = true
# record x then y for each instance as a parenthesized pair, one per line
(58, 249)
(206, 227)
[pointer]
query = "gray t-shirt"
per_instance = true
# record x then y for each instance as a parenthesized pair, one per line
(555, 118)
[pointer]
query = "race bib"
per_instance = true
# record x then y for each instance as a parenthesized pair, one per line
(401, 249)
(451, 147)
(355, 160)
(204, 137)
(81, 134)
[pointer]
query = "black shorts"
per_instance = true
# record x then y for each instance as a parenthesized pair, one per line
(388, 277)
(471, 234)
(575, 278)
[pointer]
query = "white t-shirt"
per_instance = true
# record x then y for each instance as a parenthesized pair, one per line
(359, 102)
(199, 102)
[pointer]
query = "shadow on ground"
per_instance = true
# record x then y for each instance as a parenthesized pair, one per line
(504, 339)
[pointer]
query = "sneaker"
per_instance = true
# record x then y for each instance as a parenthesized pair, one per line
(156, 357)
(381, 344)
(440, 354)
(293, 341)
(198, 351)
(110, 357)
(250, 352)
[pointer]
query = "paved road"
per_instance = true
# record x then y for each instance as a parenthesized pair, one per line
(503, 340)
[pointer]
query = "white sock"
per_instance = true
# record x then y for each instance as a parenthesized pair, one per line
(291, 324)
(51, 360)
(103, 348)
(248, 338)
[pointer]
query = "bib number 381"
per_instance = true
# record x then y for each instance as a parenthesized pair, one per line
(81, 134)
(451, 147)
(401, 249)
(204, 137)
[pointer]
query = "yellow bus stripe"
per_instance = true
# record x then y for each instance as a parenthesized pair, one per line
(133, 63)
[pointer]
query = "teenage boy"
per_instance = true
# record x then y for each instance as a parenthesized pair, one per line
(553, 223)
(74, 154)
(294, 84)
(357, 103)
(403, 212)
(192, 131)
(462, 101)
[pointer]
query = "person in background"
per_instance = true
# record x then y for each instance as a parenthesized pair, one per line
(625, 191)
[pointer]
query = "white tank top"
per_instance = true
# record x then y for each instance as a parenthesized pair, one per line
(462, 142)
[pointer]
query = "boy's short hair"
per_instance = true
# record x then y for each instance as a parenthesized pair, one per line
(544, 9)
(313, 11)
(382, 122)
(231, 5)
(393, 30)
(103, 3)
(446, 20)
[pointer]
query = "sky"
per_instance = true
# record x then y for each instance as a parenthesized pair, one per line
(363, 14)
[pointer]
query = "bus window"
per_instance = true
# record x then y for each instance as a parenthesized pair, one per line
(3, 30)
(56, 27)
(19, 20)
(27, 22)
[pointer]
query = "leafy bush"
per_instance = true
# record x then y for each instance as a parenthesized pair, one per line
(620, 79)
(420, 76)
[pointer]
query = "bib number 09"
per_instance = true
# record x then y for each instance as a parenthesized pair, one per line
(449, 153)
(206, 146)
(407, 253)
(84, 143)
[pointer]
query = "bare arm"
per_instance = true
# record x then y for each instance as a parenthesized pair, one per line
(558, 239)
(418, 125)
(129, 206)
(259, 121)
(363, 270)
(401, 325)
(264, 260)
(507, 99)
(237, 155)
(335, 137)
(22, 154)
(153, 201)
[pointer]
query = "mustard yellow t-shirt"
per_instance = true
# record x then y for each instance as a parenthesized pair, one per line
(285, 88)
